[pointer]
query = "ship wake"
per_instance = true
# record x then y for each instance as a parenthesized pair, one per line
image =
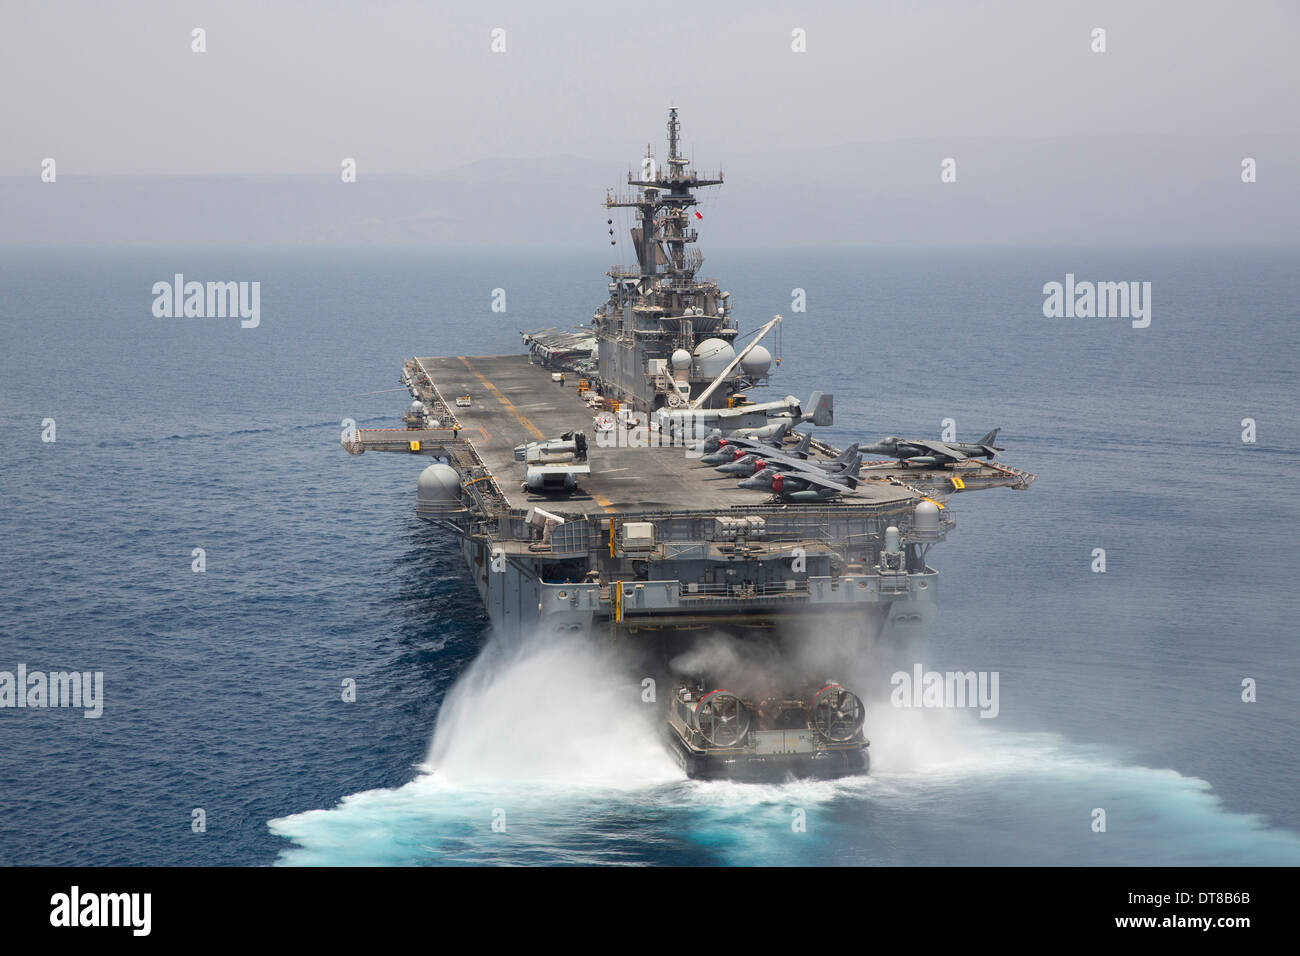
(546, 753)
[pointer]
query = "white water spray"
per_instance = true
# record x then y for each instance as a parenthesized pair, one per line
(549, 708)
(554, 734)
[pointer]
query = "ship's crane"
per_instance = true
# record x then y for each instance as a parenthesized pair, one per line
(704, 395)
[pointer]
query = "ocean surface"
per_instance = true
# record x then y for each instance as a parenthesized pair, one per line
(222, 689)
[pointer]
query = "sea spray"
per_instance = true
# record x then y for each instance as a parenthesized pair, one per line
(1018, 797)
(552, 708)
(552, 735)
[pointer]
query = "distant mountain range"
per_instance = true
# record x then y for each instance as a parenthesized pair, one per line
(1147, 188)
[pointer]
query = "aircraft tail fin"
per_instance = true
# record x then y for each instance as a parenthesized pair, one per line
(805, 444)
(849, 452)
(850, 473)
(822, 409)
(990, 438)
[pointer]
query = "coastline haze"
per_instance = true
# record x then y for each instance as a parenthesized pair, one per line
(456, 144)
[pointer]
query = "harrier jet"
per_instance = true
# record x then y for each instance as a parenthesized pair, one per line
(804, 483)
(747, 463)
(921, 451)
(719, 450)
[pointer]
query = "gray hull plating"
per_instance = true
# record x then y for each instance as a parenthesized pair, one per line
(520, 604)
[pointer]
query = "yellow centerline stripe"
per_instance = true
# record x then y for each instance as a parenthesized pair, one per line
(533, 429)
(502, 399)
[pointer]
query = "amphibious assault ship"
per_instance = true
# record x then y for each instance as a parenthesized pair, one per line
(616, 479)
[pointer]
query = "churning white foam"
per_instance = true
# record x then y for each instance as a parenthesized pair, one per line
(549, 711)
(555, 738)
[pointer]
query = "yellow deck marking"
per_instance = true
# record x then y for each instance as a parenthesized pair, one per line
(532, 429)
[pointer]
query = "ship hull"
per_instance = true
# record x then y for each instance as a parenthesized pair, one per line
(521, 605)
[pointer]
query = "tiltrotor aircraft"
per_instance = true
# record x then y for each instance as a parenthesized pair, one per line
(554, 464)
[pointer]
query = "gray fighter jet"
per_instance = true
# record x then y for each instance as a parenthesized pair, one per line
(805, 484)
(745, 464)
(921, 451)
(719, 450)
(748, 462)
(803, 449)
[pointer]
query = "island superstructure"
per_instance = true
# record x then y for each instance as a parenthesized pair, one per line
(579, 482)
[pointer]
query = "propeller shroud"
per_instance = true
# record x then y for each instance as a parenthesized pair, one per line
(836, 714)
(722, 718)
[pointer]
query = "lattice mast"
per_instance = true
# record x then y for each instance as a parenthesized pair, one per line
(663, 204)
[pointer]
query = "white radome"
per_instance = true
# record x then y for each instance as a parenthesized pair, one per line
(712, 356)
(926, 518)
(757, 362)
(439, 483)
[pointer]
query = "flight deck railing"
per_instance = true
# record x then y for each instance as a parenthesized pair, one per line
(1026, 478)
(477, 482)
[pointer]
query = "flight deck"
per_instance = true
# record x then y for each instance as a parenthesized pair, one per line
(512, 402)
(515, 402)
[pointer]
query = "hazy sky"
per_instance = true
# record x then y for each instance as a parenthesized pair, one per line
(111, 88)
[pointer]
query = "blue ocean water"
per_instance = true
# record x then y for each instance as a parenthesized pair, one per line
(1119, 690)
